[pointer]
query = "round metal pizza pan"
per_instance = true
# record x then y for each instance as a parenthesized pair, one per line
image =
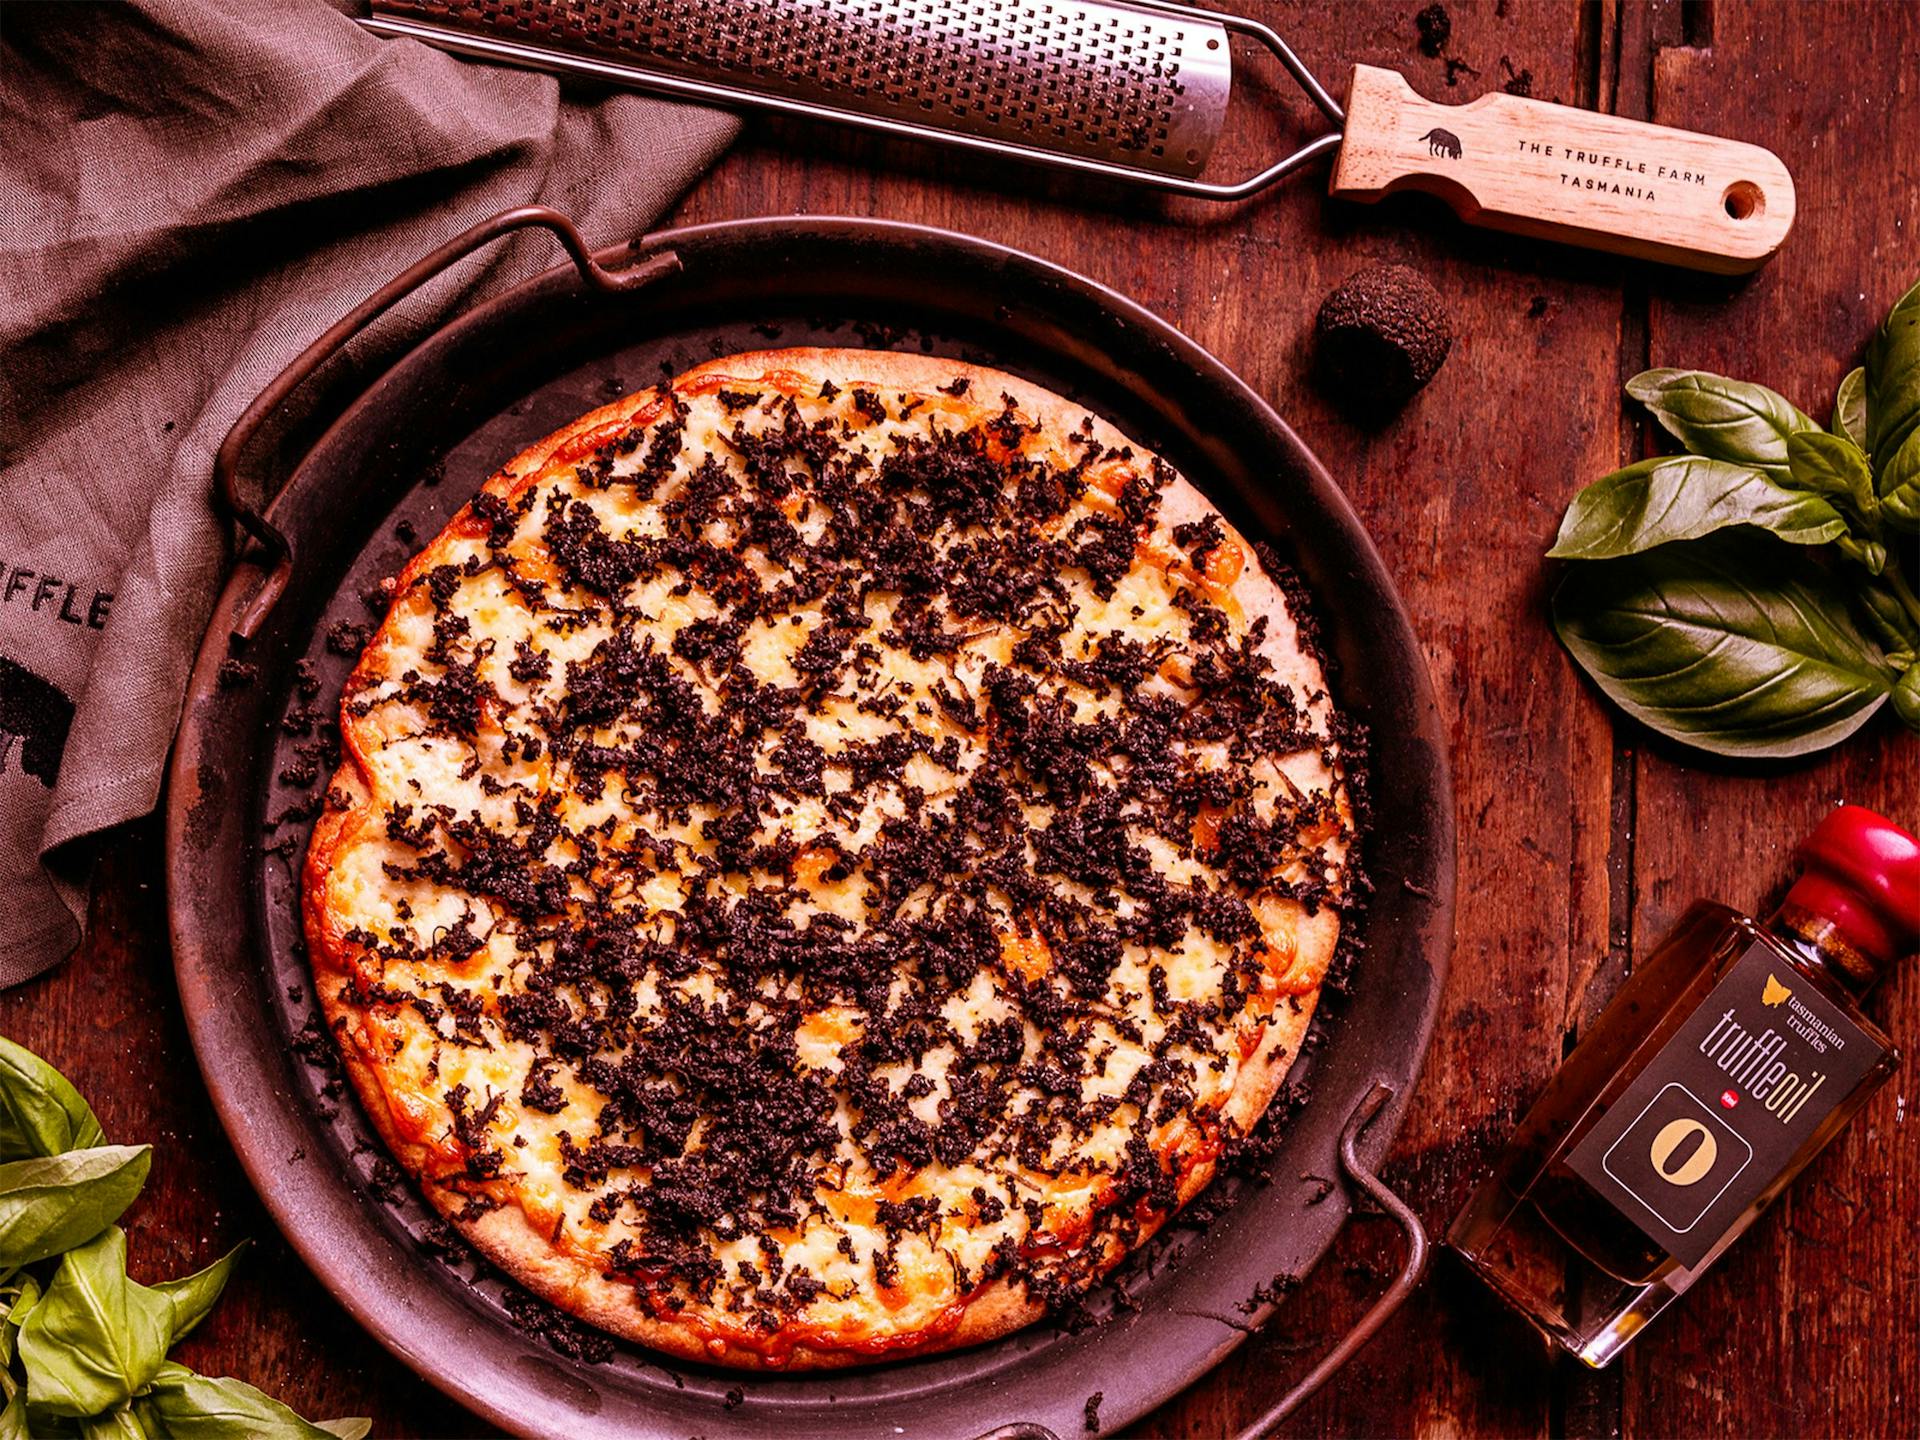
(407, 454)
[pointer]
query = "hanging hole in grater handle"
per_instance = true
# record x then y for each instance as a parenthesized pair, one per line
(1744, 200)
(229, 461)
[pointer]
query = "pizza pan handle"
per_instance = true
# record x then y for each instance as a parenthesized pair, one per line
(228, 463)
(1412, 1268)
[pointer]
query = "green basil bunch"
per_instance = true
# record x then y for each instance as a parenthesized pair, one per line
(1755, 596)
(83, 1349)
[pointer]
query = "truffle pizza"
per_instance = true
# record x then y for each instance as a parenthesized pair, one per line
(829, 853)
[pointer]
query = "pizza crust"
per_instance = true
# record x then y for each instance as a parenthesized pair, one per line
(505, 1234)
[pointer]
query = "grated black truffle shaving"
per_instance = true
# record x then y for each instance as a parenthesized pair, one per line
(972, 771)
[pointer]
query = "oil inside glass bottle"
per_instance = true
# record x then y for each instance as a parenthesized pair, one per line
(1731, 1057)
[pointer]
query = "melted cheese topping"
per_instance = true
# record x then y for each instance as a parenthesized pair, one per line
(826, 849)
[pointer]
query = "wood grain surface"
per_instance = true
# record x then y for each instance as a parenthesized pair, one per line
(1555, 172)
(1581, 836)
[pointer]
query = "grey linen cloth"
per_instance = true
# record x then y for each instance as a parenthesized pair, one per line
(189, 194)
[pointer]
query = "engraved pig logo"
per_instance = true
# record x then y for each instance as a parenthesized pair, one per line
(1442, 142)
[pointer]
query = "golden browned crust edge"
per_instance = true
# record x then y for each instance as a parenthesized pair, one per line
(505, 1235)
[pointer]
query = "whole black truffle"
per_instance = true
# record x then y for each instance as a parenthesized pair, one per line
(1382, 335)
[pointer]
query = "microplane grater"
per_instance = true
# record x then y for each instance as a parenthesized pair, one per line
(1131, 90)
(1138, 90)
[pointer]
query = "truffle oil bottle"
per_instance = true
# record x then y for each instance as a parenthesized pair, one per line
(1735, 1052)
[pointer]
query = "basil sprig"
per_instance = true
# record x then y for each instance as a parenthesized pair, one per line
(83, 1348)
(1755, 596)
(40, 1113)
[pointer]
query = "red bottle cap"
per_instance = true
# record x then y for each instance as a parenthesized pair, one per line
(1862, 872)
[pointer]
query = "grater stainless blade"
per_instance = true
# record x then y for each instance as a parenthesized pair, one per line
(1134, 90)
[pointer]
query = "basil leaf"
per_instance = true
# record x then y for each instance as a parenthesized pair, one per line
(119, 1424)
(1900, 485)
(1832, 465)
(13, 1419)
(1850, 407)
(95, 1337)
(1726, 644)
(185, 1406)
(1682, 497)
(1721, 418)
(17, 1312)
(51, 1205)
(1906, 698)
(40, 1111)
(1893, 382)
(1890, 620)
(192, 1296)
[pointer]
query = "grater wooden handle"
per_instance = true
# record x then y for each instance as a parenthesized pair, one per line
(1559, 173)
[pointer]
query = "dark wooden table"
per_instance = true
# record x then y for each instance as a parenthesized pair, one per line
(1581, 839)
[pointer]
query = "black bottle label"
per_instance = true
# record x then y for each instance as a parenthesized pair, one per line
(1721, 1109)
